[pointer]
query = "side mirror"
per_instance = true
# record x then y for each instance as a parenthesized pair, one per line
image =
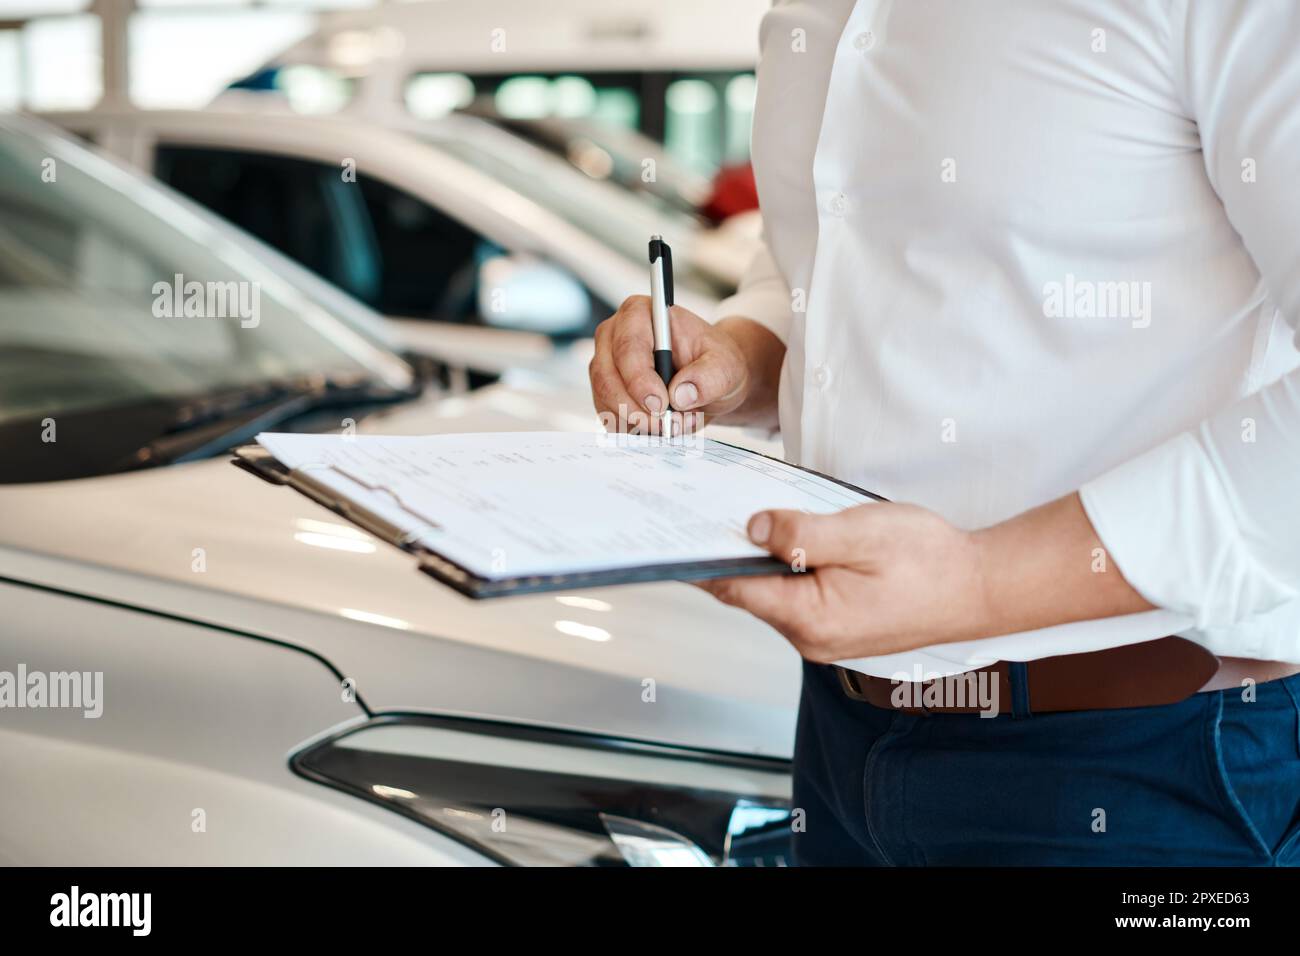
(521, 291)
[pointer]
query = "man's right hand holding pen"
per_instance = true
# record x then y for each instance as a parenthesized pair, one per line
(726, 372)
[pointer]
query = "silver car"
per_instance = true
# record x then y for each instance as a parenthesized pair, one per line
(200, 667)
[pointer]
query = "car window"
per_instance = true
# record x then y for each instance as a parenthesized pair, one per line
(390, 249)
(429, 261)
(112, 293)
(285, 202)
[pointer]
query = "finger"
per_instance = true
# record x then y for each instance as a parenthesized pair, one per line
(616, 408)
(692, 422)
(787, 602)
(685, 423)
(814, 540)
(632, 348)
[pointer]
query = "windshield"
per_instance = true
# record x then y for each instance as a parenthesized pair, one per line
(619, 219)
(114, 294)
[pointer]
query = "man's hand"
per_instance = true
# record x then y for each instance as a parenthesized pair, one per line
(883, 578)
(723, 370)
(880, 578)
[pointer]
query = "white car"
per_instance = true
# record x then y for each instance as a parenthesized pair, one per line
(455, 220)
(199, 667)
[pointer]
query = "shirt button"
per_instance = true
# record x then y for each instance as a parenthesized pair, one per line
(865, 40)
(838, 204)
(821, 376)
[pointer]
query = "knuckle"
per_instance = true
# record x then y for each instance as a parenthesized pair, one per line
(604, 384)
(644, 382)
(713, 376)
(631, 340)
(683, 317)
(633, 309)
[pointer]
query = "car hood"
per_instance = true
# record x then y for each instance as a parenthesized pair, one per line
(209, 542)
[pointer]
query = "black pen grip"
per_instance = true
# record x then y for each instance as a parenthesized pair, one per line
(664, 364)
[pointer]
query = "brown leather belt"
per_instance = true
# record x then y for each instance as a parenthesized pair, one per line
(1163, 671)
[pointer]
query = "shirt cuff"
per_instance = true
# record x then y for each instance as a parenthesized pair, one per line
(1168, 523)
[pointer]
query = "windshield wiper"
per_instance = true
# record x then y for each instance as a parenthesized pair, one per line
(213, 424)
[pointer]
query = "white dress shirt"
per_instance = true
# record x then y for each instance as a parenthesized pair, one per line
(1018, 248)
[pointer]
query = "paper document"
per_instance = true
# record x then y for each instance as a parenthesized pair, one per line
(505, 505)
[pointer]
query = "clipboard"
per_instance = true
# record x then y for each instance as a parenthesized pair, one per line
(258, 461)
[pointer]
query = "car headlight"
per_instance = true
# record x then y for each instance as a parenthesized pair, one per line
(536, 797)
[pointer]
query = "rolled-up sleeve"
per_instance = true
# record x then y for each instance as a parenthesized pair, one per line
(1208, 523)
(763, 296)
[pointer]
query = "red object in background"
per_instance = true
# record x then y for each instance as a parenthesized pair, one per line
(734, 192)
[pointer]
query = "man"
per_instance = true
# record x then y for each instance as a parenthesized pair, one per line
(1032, 266)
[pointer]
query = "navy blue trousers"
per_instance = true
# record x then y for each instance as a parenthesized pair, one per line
(1213, 780)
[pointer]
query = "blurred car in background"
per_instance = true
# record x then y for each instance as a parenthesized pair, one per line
(454, 221)
(679, 71)
(636, 162)
(622, 156)
(278, 686)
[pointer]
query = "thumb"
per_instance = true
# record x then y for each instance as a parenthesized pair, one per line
(710, 379)
(813, 540)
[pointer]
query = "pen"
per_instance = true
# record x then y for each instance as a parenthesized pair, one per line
(661, 297)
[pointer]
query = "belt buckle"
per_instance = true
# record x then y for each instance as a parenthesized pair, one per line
(849, 685)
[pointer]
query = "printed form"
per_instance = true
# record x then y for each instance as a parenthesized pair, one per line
(510, 504)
